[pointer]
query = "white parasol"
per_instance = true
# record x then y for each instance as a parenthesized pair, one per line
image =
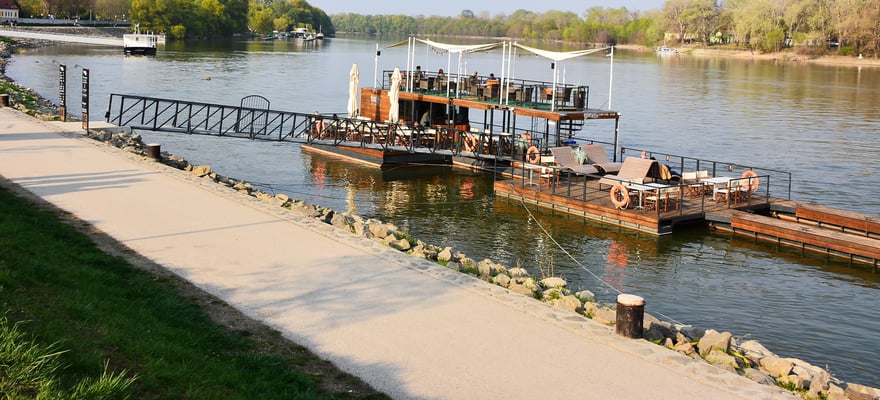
(353, 78)
(394, 96)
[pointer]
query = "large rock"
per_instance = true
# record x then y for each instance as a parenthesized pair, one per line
(720, 358)
(791, 382)
(600, 314)
(518, 272)
(501, 280)
(657, 331)
(820, 382)
(201, 170)
(486, 268)
(586, 295)
(686, 348)
(777, 366)
(715, 340)
(400, 244)
(521, 289)
(836, 393)
(553, 282)
(861, 392)
(445, 256)
(758, 376)
(691, 332)
(568, 303)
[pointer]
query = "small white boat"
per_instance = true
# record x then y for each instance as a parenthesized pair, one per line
(663, 50)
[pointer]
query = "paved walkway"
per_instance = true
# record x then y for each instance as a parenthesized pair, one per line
(408, 327)
(116, 42)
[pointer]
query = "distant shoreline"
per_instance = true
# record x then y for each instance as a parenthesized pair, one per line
(783, 56)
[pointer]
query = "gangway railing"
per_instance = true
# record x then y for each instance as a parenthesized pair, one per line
(158, 114)
(248, 120)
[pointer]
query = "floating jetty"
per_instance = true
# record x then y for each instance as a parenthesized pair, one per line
(528, 133)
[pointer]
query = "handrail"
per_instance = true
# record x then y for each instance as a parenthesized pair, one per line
(159, 114)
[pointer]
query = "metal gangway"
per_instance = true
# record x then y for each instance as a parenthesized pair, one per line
(254, 119)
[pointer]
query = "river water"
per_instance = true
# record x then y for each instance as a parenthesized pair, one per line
(818, 122)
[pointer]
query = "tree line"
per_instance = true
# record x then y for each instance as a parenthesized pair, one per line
(844, 26)
(190, 18)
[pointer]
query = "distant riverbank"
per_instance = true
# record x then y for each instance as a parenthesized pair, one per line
(782, 56)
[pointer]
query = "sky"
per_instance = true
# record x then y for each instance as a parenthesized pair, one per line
(454, 7)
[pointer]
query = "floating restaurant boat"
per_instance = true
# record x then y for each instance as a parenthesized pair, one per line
(528, 133)
(140, 43)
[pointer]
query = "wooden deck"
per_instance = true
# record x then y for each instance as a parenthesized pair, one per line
(806, 236)
(839, 233)
(582, 197)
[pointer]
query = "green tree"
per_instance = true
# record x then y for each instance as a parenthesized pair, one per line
(703, 19)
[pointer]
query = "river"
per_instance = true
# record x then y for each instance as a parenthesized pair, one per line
(818, 122)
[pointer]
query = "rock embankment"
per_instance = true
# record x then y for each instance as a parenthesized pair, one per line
(24, 99)
(749, 358)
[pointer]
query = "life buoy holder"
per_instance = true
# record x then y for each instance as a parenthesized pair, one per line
(619, 196)
(753, 182)
(533, 155)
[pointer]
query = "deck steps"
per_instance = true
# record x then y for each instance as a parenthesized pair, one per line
(845, 243)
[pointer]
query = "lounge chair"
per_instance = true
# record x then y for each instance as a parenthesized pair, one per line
(565, 158)
(598, 158)
(632, 168)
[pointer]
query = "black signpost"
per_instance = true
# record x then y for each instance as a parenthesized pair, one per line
(85, 99)
(62, 91)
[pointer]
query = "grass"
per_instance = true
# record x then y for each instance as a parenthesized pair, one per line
(57, 286)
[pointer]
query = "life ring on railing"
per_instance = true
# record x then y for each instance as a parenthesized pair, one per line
(754, 182)
(619, 196)
(533, 155)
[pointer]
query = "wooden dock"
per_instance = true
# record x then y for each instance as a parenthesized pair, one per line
(838, 233)
(842, 234)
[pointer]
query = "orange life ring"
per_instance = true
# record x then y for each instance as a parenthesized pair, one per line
(753, 182)
(533, 155)
(619, 196)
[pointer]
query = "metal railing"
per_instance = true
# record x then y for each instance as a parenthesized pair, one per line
(247, 121)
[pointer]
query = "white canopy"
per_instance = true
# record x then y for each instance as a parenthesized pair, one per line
(461, 48)
(558, 55)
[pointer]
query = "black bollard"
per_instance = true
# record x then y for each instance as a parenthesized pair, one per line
(630, 316)
(153, 151)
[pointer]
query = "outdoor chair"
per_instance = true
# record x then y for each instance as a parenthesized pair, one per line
(633, 167)
(598, 158)
(565, 158)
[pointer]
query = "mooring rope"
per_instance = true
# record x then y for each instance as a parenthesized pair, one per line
(579, 264)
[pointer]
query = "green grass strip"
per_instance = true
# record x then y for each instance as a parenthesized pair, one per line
(65, 291)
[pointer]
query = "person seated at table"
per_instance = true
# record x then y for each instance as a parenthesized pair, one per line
(474, 79)
(492, 80)
(440, 74)
(426, 118)
(418, 74)
(318, 126)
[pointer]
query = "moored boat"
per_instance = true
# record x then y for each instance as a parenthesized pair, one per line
(664, 50)
(139, 43)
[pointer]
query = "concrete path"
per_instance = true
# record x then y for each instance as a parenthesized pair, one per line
(104, 41)
(408, 327)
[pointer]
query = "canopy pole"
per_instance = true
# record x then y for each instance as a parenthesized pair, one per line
(376, 67)
(611, 79)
